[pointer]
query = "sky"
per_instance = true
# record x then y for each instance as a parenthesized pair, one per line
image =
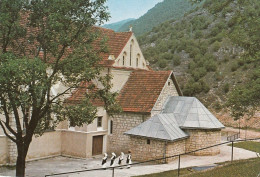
(124, 9)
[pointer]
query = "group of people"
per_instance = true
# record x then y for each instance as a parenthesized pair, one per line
(120, 159)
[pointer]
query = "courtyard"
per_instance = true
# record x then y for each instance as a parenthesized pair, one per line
(65, 164)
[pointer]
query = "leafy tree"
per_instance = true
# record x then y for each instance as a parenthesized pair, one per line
(162, 63)
(44, 43)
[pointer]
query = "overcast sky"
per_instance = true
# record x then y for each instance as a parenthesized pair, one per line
(124, 9)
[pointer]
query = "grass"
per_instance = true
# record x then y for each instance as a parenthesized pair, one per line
(240, 168)
(248, 145)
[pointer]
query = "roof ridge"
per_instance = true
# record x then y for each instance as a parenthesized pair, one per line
(160, 119)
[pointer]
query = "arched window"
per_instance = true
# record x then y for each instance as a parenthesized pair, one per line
(137, 60)
(131, 51)
(124, 59)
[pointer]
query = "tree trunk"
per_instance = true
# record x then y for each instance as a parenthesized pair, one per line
(20, 162)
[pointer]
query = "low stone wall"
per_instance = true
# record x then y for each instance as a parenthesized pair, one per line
(203, 138)
(117, 141)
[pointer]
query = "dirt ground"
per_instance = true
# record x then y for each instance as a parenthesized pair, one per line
(227, 120)
(244, 134)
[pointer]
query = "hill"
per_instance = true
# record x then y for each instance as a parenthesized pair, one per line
(168, 9)
(212, 49)
(117, 25)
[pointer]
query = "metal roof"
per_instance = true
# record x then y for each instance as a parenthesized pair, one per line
(160, 126)
(189, 112)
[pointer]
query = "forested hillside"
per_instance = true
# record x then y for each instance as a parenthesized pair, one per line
(166, 10)
(117, 25)
(212, 50)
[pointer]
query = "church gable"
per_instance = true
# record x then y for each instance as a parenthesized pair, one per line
(131, 56)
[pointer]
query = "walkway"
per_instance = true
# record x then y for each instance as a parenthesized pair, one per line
(64, 164)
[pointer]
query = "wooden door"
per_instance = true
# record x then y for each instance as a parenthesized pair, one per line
(97, 145)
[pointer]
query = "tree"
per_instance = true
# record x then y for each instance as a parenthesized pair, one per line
(245, 100)
(44, 43)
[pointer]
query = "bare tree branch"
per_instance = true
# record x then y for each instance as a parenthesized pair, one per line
(5, 132)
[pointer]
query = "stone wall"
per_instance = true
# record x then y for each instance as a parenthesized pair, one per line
(175, 148)
(141, 151)
(203, 138)
(168, 90)
(117, 141)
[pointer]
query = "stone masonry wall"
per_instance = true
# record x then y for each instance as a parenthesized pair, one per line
(175, 148)
(203, 138)
(168, 90)
(117, 141)
(141, 151)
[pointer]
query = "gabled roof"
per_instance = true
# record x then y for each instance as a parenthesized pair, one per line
(115, 42)
(160, 126)
(139, 94)
(142, 90)
(190, 113)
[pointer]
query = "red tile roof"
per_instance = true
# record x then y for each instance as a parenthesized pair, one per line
(116, 41)
(142, 90)
(139, 94)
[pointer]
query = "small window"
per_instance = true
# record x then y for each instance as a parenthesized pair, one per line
(137, 62)
(111, 126)
(99, 122)
(148, 141)
(169, 83)
(123, 60)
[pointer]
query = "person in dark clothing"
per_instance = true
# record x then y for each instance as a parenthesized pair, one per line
(121, 158)
(104, 161)
(113, 158)
(129, 159)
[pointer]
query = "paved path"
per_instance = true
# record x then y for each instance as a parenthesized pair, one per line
(63, 164)
(186, 161)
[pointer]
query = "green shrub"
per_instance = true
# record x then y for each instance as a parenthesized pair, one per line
(218, 76)
(198, 34)
(210, 65)
(226, 88)
(198, 73)
(162, 63)
(194, 51)
(240, 62)
(216, 46)
(176, 60)
(166, 56)
(234, 67)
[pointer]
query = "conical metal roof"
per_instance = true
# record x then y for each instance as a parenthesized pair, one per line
(191, 113)
(160, 126)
